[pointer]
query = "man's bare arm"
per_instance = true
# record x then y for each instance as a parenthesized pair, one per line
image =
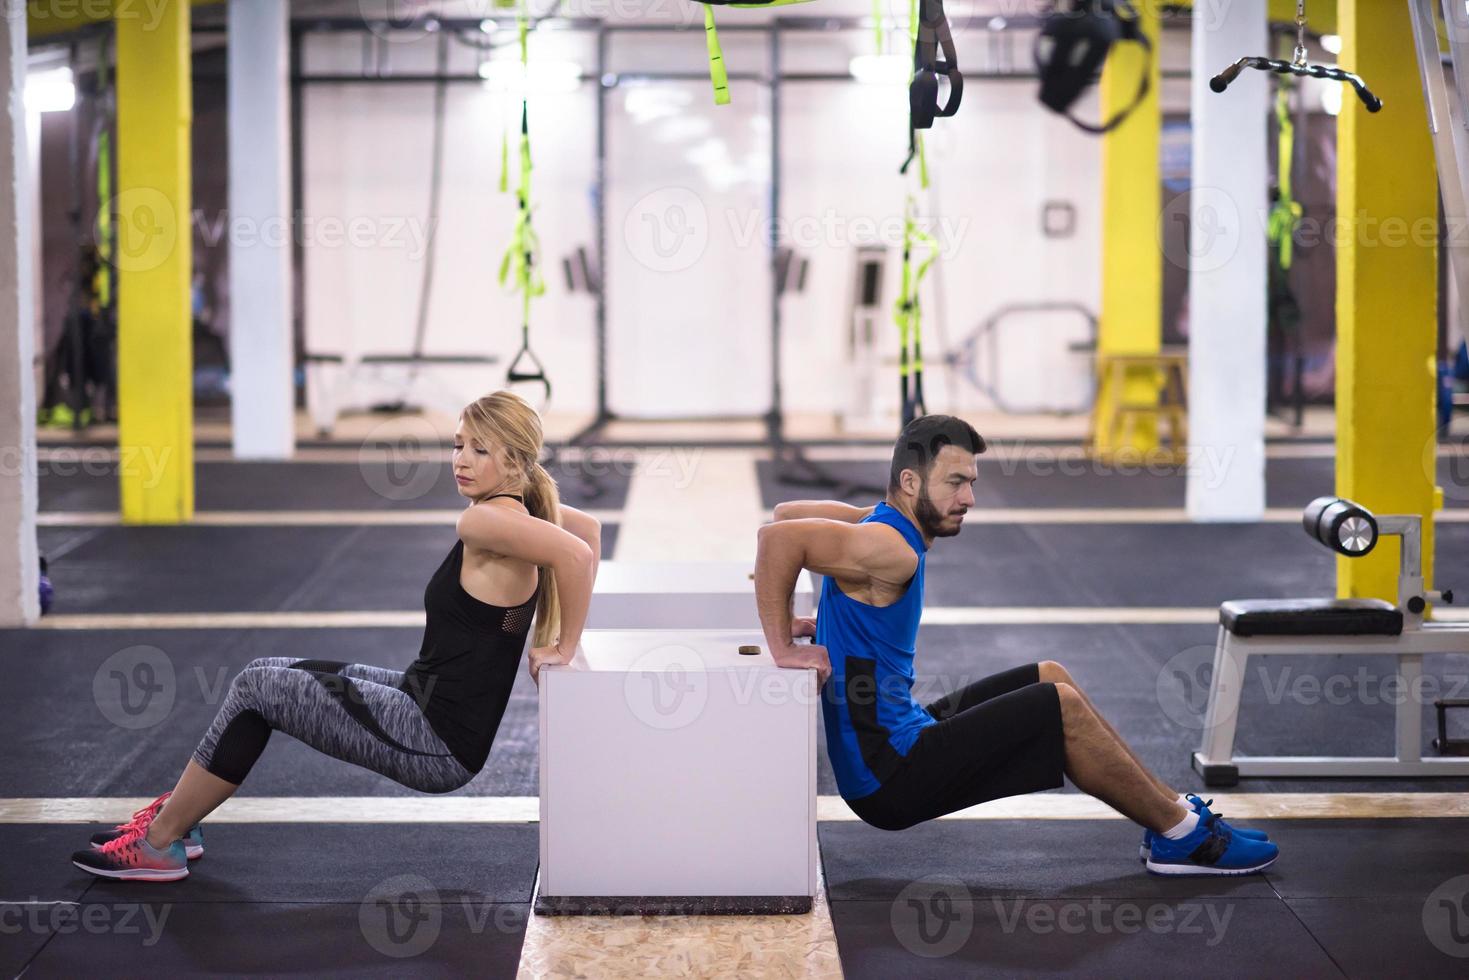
(832, 510)
(852, 554)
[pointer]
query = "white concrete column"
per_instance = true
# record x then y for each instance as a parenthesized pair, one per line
(262, 397)
(1227, 271)
(19, 567)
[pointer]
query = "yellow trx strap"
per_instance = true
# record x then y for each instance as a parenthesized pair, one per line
(102, 285)
(717, 73)
(520, 263)
(1285, 213)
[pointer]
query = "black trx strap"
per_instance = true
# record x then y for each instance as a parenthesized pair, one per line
(1071, 48)
(931, 33)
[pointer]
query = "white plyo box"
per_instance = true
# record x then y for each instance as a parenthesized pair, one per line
(673, 595)
(673, 765)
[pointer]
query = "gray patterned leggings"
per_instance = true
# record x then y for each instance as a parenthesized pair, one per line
(351, 712)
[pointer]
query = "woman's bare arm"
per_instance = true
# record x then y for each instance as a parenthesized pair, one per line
(587, 528)
(508, 531)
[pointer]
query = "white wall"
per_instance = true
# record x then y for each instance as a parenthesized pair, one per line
(688, 260)
(693, 340)
(366, 153)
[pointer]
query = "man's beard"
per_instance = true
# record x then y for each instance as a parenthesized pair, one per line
(930, 521)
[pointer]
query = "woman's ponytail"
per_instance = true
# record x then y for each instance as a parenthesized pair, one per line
(543, 500)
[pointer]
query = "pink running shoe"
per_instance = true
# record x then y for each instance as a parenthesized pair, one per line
(142, 819)
(132, 858)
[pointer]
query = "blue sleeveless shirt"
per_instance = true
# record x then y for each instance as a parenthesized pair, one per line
(867, 705)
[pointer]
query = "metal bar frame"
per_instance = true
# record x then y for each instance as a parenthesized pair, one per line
(1447, 122)
(1216, 759)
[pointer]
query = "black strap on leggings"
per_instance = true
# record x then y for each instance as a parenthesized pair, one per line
(345, 692)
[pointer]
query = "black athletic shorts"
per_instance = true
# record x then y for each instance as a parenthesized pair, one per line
(1000, 736)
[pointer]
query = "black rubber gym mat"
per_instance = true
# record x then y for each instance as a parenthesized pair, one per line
(118, 713)
(71, 735)
(1397, 859)
(1144, 564)
(259, 569)
(372, 484)
(1008, 897)
(984, 859)
(1410, 936)
(462, 893)
(27, 870)
(199, 568)
(933, 937)
(1056, 482)
(36, 889)
(399, 939)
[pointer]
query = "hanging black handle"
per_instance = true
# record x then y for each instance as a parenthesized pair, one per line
(923, 92)
(1221, 81)
(514, 374)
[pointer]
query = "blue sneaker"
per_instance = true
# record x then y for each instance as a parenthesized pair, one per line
(1201, 807)
(1214, 848)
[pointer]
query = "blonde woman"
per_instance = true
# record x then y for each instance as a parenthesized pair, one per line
(520, 553)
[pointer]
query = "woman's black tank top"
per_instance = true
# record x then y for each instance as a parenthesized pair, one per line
(467, 665)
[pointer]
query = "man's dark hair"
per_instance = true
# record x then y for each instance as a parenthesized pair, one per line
(922, 439)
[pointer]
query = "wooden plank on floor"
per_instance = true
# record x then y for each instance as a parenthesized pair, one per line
(638, 946)
(932, 616)
(526, 809)
(288, 518)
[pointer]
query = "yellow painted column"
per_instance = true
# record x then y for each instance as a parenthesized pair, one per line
(1386, 291)
(1132, 267)
(154, 256)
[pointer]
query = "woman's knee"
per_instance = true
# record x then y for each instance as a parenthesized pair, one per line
(248, 684)
(262, 663)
